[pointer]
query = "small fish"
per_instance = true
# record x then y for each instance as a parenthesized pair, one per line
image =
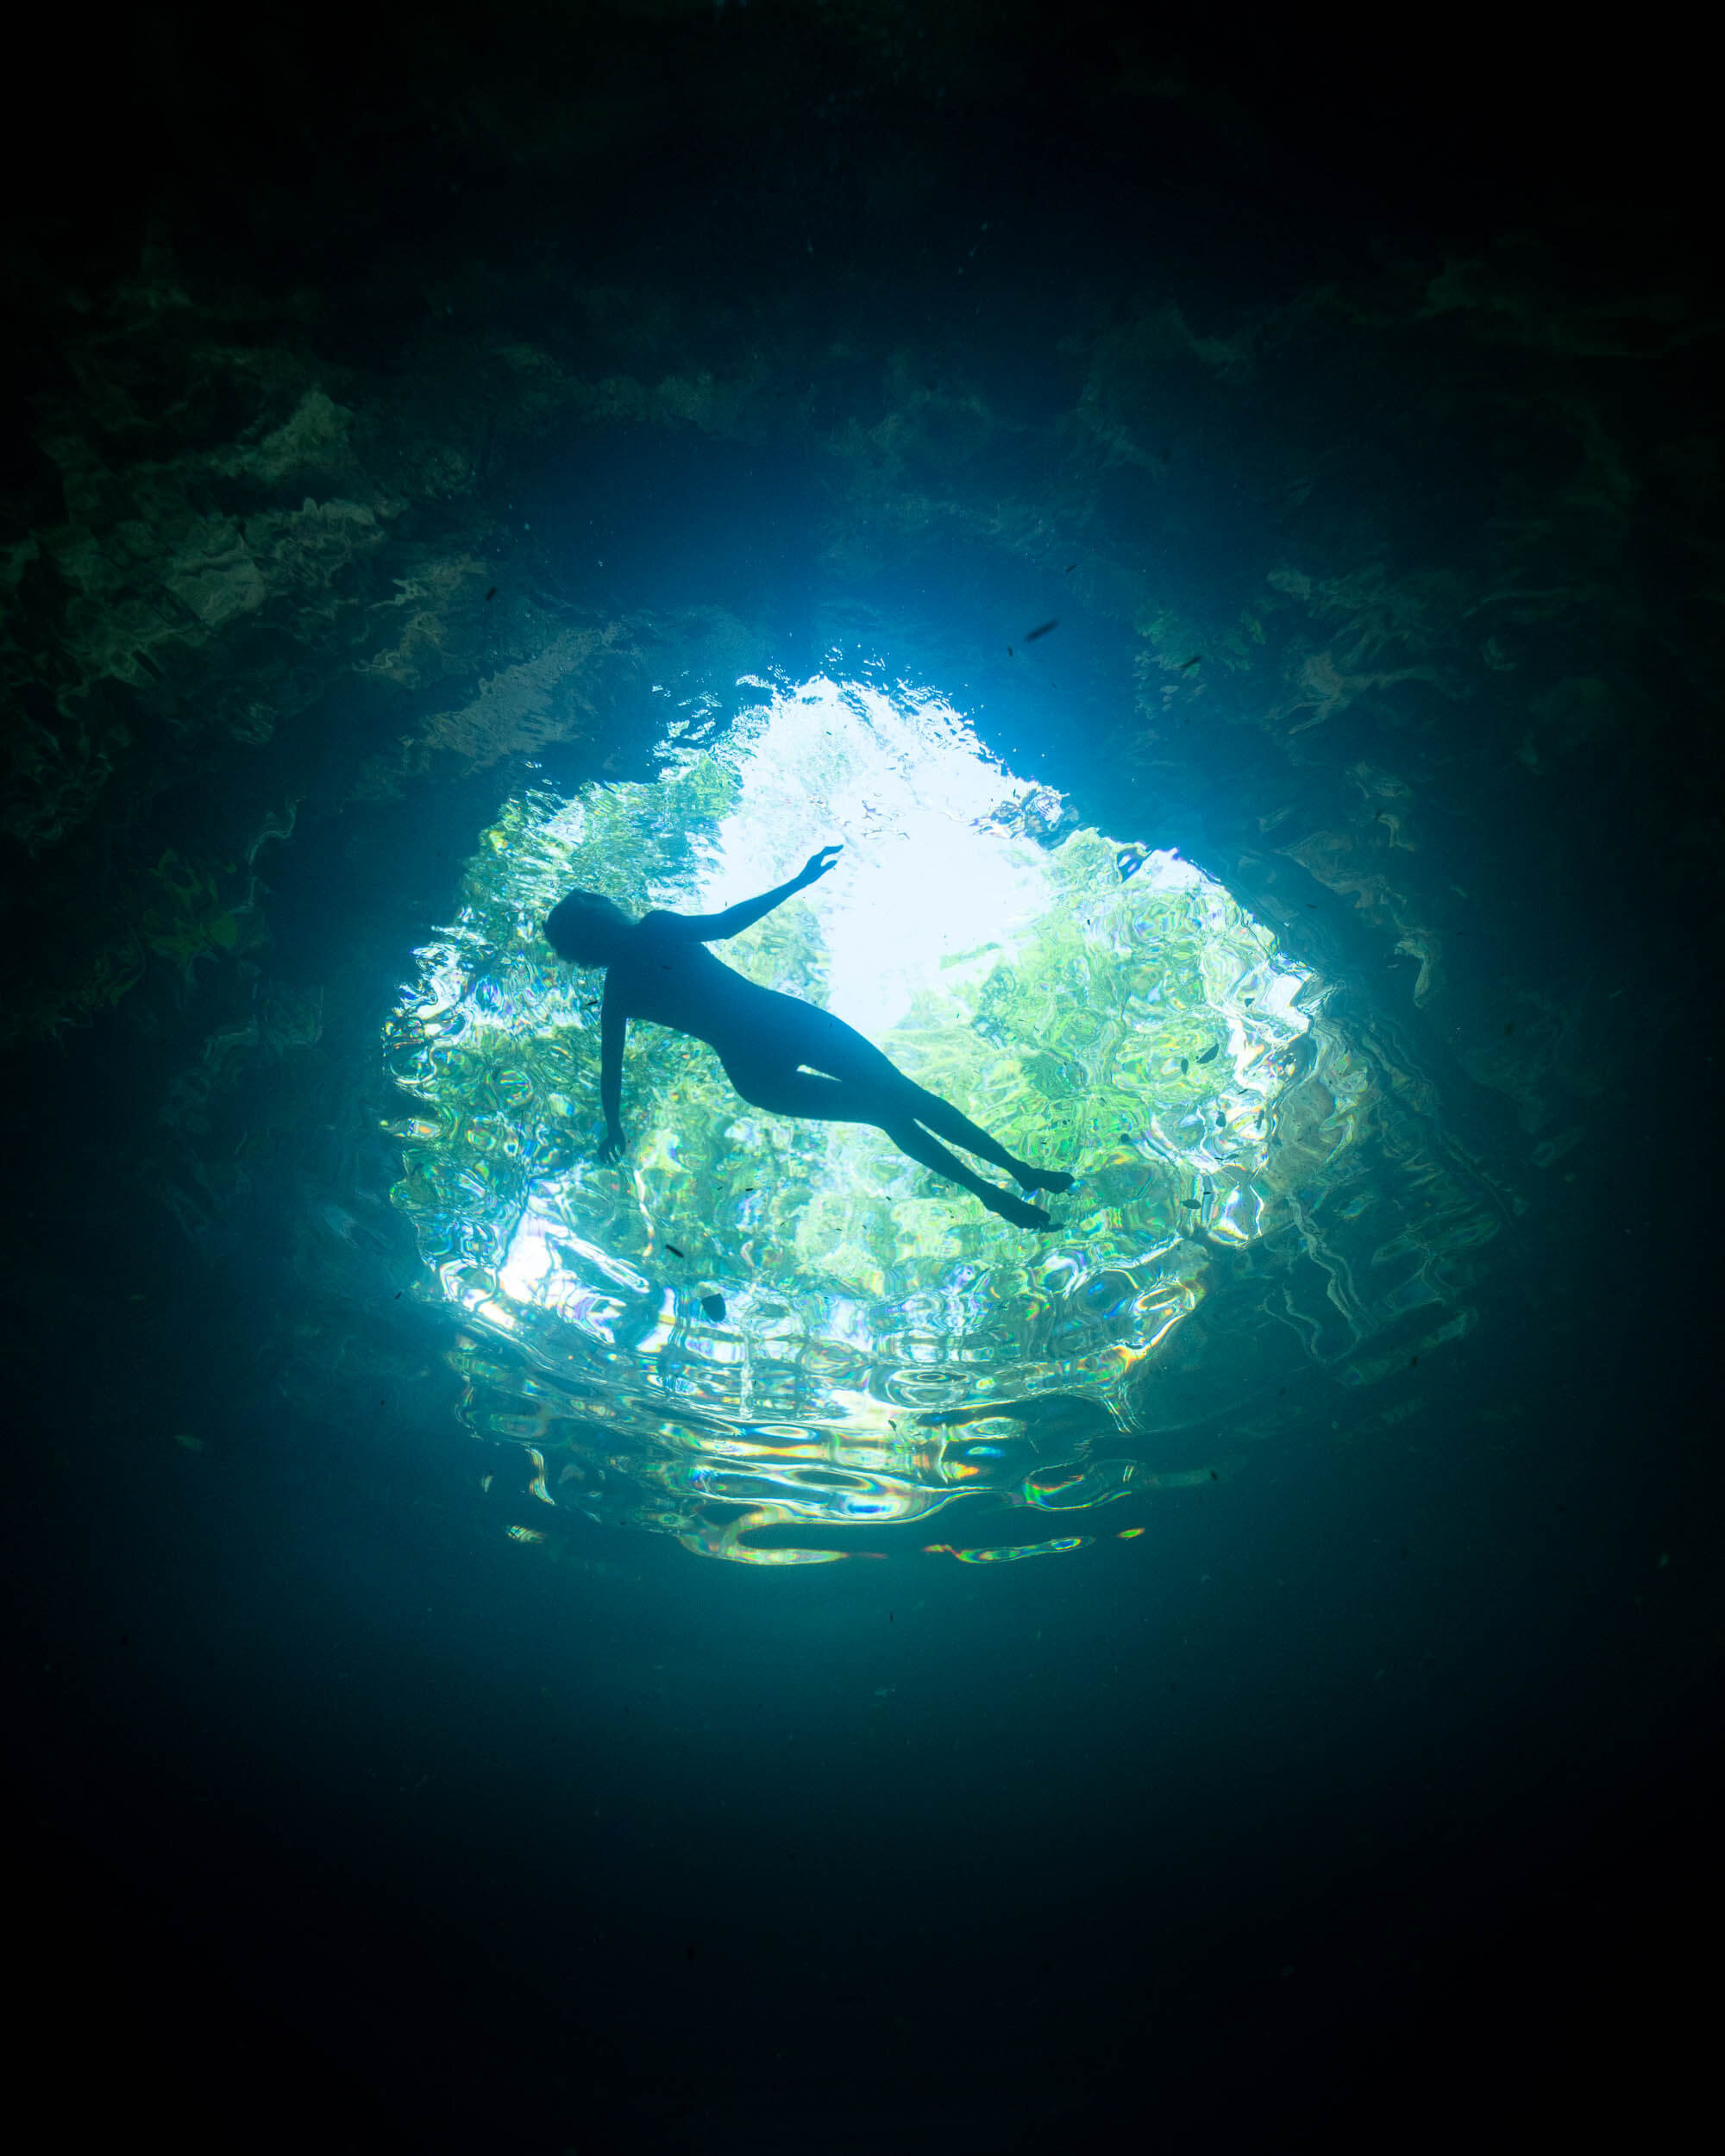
(1041, 629)
(714, 1307)
(185, 1438)
(1009, 651)
(673, 1249)
(1182, 1066)
(1187, 665)
(492, 593)
(1209, 1053)
(1071, 567)
(1196, 1204)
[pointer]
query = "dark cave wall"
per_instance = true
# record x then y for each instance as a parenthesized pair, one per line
(426, 400)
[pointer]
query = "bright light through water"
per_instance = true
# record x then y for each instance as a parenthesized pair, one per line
(767, 1337)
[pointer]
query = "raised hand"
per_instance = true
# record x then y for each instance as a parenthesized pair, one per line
(818, 864)
(612, 1148)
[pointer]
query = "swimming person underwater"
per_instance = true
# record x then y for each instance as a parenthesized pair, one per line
(783, 1055)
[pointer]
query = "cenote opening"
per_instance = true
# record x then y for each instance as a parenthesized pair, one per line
(765, 1338)
(1182, 557)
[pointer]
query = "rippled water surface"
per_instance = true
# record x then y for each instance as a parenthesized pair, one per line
(768, 1337)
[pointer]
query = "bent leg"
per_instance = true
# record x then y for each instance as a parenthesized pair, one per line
(810, 1097)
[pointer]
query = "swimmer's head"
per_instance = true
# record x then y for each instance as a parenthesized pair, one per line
(585, 929)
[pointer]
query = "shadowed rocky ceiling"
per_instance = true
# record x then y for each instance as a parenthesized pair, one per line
(393, 401)
(408, 415)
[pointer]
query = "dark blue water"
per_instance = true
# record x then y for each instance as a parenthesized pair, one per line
(1286, 1718)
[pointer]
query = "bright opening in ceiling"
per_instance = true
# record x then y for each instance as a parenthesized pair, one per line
(756, 1321)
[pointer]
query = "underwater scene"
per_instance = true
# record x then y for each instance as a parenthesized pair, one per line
(761, 1327)
(861, 870)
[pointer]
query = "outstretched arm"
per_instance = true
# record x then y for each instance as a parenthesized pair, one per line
(709, 927)
(613, 1024)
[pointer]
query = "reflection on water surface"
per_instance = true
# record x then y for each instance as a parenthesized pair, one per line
(767, 1337)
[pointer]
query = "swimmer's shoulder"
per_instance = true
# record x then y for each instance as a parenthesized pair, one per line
(661, 927)
(658, 928)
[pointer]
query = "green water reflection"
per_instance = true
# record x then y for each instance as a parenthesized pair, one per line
(768, 1337)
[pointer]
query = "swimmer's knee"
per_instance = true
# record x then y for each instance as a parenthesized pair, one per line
(750, 1084)
(928, 1108)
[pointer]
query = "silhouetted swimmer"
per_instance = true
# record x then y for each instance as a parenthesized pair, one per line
(781, 1054)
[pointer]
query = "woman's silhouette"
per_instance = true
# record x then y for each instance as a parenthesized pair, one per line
(660, 969)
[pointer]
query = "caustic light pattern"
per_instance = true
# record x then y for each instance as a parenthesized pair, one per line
(752, 1327)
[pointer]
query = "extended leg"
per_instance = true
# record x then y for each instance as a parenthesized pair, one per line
(804, 1094)
(829, 1044)
(943, 1117)
(910, 1137)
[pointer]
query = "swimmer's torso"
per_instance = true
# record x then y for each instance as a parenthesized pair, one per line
(673, 981)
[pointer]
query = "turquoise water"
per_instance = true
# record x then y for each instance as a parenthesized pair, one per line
(767, 1339)
(736, 1646)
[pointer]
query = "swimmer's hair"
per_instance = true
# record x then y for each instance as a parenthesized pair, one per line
(570, 924)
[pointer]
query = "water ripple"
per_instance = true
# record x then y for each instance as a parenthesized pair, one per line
(1253, 1186)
